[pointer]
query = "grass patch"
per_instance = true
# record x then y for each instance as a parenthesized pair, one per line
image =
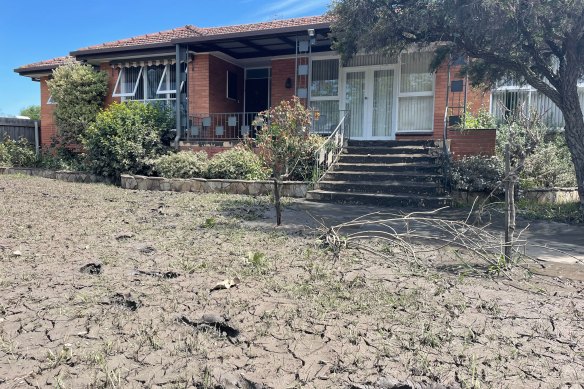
(563, 213)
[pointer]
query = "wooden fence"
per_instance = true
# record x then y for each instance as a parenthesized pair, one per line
(18, 128)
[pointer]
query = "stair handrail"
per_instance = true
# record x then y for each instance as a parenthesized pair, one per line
(328, 153)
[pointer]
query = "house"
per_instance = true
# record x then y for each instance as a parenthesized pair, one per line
(217, 79)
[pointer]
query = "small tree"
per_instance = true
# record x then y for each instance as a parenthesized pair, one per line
(79, 92)
(33, 112)
(285, 129)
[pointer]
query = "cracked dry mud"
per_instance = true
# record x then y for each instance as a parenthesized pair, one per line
(302, 319)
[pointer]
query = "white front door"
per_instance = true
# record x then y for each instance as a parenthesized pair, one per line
(369, 95)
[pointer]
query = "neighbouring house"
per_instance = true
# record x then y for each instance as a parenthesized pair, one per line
(217, 79)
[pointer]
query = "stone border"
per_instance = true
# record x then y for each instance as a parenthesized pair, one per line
(200, 185)
(61, 175)
(539, 195)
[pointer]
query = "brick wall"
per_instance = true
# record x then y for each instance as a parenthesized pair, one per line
(282, 69)
(113, 74)
(48, 128)
(472, 142)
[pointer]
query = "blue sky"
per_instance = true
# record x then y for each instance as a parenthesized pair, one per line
(35, 30)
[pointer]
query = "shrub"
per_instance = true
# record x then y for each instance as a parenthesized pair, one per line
(79, 92)
(17, 153)
(481, 120)
(550, 165)
(184, 164)
(127, 138)
(477, 174)
(239, 163)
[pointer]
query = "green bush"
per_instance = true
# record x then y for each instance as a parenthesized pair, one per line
(17, 153)
(127, 138)
(481, 120)
(550, 165)
(239, 163)
(79, 91)
(478, 174)
(184, 164)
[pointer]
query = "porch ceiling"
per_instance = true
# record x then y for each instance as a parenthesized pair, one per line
(245, 46)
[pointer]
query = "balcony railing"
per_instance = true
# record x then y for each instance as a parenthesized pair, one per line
(217, 127)
(235, 126)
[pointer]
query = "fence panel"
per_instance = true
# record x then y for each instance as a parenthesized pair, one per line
(15, 128)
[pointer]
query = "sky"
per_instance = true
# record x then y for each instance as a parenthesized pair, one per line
(35, 30)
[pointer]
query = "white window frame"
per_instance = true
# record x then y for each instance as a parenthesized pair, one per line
(159, 90)
(50, 100)
(401, 95)
(122, 74)
(324, 98)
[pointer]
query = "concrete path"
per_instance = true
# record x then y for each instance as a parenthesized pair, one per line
(546, 241)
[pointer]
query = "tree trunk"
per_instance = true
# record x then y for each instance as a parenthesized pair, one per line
(277, 202)
(574, 122)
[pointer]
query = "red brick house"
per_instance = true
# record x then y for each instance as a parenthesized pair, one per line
(217, 78)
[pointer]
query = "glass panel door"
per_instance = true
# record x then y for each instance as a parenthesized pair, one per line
(382, 102)
(355, 102)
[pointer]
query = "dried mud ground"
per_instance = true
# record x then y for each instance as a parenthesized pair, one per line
(298, 318)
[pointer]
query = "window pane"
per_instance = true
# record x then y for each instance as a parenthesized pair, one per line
(325, 78)
(382, 102)
(329, 115)
(355, 101)
(128, 80)
(415, 72)
(416, 114)
(154, 75)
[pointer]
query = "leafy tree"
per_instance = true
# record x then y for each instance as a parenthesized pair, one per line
(79, 92)
(33, 112)
(285, 128)
(540, 42)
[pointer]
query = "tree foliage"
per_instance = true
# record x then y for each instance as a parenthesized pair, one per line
(540, 42)
(79, 92)
(32, 111)
(127, 138)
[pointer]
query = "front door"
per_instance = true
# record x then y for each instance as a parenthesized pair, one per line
(370, 97)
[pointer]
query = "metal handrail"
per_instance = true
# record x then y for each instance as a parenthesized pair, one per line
(328, 153)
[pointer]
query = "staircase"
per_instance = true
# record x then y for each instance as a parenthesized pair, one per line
(387, 173)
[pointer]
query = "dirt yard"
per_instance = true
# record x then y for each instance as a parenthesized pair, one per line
(144, 315)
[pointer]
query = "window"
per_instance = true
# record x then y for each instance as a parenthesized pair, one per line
(416, 94)
(128, 81)
(324, 94)
(150, 84)
(51, 101)
(232, 86)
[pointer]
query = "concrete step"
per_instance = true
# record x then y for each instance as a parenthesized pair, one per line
(390, 143)
(360, 150)
(413, 176)
(388, 167)
(386, 159)
(383, 187)
(389, 200)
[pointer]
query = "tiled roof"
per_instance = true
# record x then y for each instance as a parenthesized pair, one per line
(148, 39)
(166, 37)
(46, 65)
(193, 31)
(296, 22)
